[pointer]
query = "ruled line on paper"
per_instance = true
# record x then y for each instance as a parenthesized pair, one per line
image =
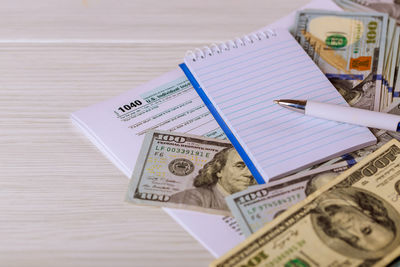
(252, 71)
(286, 113)
(291, 127)
(294, 117)
(260, 109)
(242, 55)
(266, 84)
(315, 148)
(294, 128)
(252, 58)
(313, 141)
(251, 64)
(263, 115)
(270, 119)
(269, 100)
(273, 134)
(270, 90)
(293, 136)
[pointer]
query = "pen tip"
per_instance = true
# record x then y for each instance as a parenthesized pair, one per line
(276, 101)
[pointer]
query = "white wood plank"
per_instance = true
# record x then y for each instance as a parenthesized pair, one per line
(62, 201)
(138, 21)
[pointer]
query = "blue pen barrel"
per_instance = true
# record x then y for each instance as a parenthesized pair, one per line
(351, 115)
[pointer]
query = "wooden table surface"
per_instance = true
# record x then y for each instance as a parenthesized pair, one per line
(61, 201)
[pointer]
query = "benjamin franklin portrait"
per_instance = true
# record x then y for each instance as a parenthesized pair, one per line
(356, 223)
(224, 175)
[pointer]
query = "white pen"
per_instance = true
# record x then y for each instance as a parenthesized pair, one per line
(350, 115)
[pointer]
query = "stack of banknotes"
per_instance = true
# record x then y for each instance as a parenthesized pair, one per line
(343, 212)
(372, 58)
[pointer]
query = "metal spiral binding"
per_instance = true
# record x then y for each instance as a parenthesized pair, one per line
(209, 51)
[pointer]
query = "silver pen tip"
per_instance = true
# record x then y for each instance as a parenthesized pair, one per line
(295, 105)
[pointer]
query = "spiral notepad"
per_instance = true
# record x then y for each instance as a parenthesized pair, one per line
(239, 79)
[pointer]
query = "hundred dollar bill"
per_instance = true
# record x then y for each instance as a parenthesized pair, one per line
(349, 48)
(187, 171)
(259, 204)
(390, 7)
(353, 220)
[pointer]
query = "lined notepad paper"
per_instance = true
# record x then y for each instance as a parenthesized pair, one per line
(238, 82)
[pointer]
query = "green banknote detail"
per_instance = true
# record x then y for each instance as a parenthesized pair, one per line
(392, 8)
(349, 48)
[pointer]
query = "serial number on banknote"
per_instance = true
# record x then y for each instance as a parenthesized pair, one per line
(273, 204)
(182, 151)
